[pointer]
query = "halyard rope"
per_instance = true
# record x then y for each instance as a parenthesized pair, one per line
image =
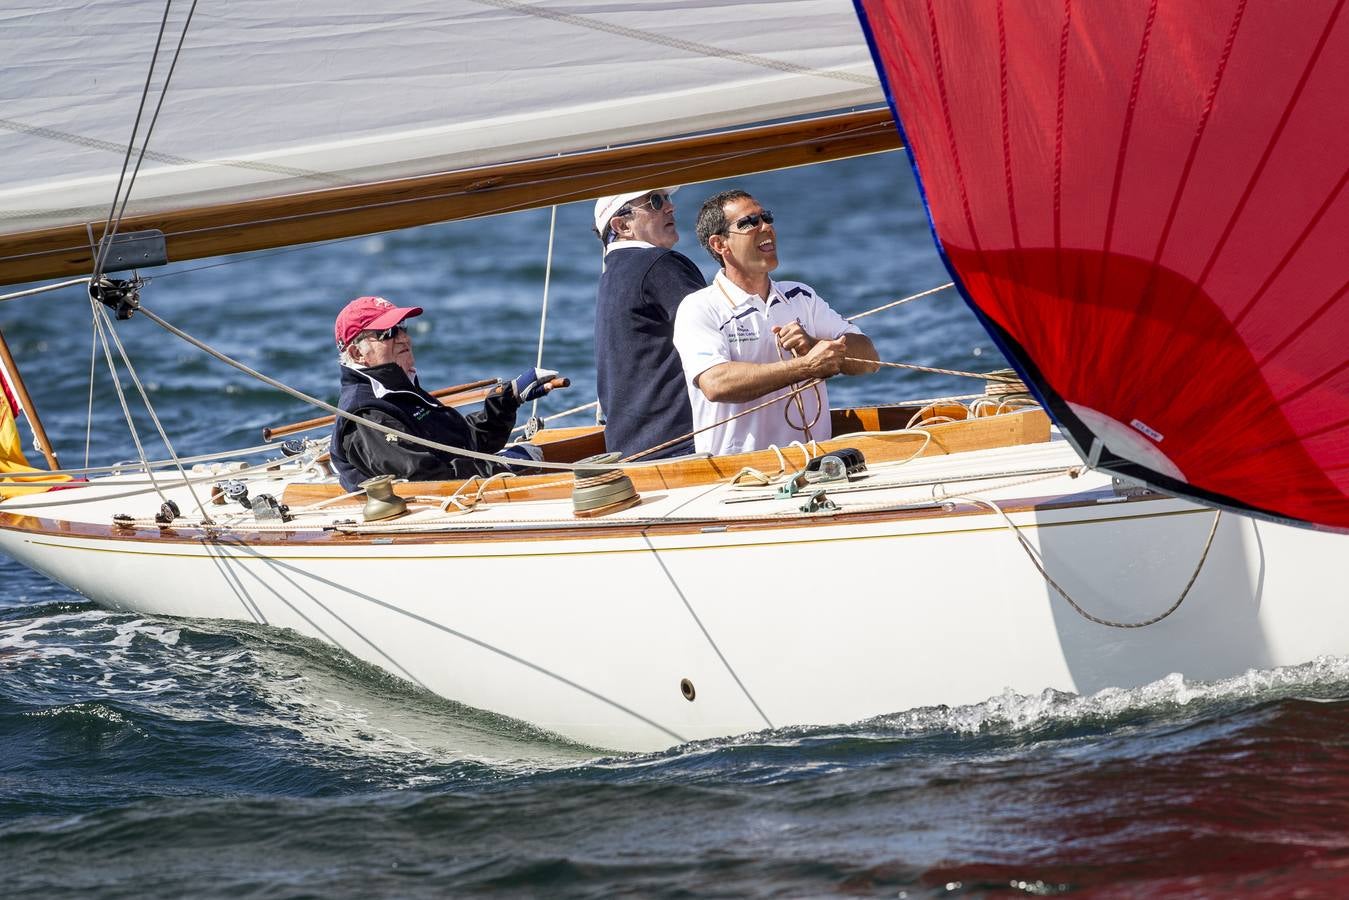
(902, 301)
(986, 376)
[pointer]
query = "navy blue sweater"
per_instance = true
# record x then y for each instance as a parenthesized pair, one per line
(639, 376)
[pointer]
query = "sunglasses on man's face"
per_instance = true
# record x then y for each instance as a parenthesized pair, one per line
(387, 334)
(655, 201)
(745, 223)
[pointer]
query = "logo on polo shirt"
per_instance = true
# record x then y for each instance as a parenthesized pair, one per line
(742, 332)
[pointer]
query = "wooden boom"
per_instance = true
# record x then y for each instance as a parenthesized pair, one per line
(402, 203)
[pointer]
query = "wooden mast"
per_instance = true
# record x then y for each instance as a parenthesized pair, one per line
(29, 409)
(403, 203)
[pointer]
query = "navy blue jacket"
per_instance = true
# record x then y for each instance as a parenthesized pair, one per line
(638, 375)
(360, 453)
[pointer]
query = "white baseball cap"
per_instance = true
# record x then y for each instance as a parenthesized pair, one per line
(607, 207)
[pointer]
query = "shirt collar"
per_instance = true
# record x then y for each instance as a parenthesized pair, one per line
(738, 297)
(619, 245)
(377, 385)
(623, 245)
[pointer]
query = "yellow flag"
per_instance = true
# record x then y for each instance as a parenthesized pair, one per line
(12, 460)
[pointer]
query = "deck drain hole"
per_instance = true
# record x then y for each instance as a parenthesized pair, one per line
(686, 688)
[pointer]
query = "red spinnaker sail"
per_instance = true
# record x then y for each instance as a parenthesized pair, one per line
(1145, 203)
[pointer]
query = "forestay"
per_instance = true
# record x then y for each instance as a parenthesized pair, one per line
(1145, 203)
(272, 98)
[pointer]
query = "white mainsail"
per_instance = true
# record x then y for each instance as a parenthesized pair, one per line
(273, 98)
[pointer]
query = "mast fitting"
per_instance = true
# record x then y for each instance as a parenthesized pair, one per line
(122, 296)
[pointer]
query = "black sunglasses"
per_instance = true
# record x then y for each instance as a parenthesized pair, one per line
(745, 223)
(387, 334)
(656, 202)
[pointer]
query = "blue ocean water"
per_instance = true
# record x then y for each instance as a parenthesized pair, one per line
(160, 757)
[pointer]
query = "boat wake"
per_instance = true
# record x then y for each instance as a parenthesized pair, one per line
(122, 730)
(74, 662)
(248, 707)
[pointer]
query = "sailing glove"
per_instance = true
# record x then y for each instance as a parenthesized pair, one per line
(532, 384)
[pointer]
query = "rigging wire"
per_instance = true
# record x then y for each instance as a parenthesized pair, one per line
(44, 288)
(145, 143)
(561, 415)
(121, 398)
(154, 417)
(89, 416)
(364, 423)
(108, 225)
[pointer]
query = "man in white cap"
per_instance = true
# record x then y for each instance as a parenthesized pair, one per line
(639, 378)
(379, 383)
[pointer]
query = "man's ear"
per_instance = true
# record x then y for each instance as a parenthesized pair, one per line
(717, 244)
(616, 226)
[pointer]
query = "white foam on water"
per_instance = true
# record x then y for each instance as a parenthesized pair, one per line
(277, 684)
(1027, 711)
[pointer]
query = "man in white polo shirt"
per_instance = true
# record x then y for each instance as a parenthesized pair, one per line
(746, 338)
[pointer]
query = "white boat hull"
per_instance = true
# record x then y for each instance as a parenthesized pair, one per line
(593, 637)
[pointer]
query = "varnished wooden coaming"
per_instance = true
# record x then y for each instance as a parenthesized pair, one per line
(1030, 424)
(379, 206)
(1014, 429)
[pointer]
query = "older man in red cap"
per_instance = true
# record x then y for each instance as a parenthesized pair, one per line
(379, 383)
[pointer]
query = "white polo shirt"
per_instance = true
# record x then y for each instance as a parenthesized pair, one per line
(722, 323)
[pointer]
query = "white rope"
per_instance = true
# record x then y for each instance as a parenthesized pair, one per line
(543, 316)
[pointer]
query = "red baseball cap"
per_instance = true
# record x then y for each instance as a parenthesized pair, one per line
(369, 314)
